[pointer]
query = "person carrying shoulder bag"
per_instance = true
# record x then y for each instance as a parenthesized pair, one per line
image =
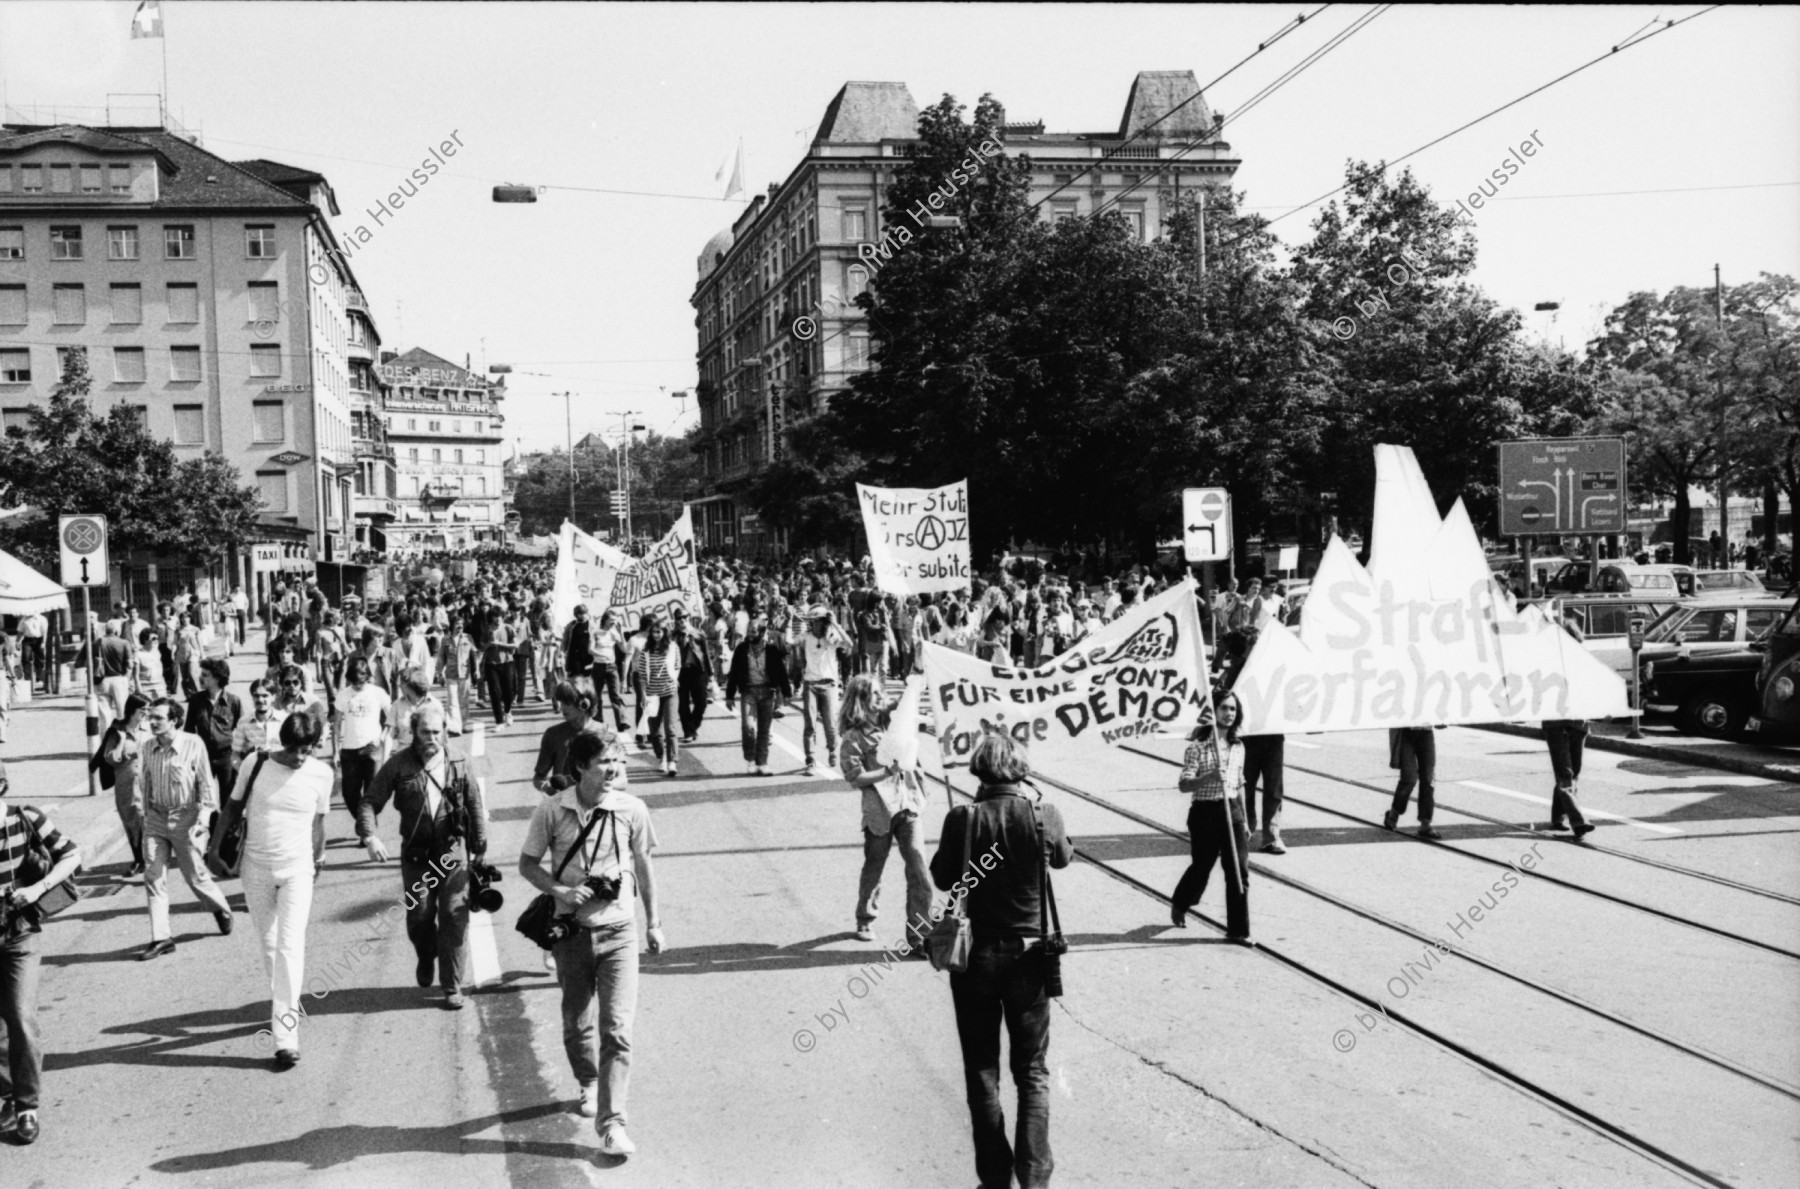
(1012, 967)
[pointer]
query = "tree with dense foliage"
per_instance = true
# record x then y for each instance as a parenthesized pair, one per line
(665, 473)
(67, 461)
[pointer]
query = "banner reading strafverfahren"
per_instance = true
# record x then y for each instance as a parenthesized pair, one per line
(1144, 674)
(918, 536)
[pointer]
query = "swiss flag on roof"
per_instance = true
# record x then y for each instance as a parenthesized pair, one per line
(148, 21)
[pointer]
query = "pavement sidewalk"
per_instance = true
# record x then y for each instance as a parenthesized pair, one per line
(1665, 743)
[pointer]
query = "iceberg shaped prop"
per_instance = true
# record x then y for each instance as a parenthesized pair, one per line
(1422, 636)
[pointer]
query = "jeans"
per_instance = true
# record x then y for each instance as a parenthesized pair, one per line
(1264, 758)
(872, 659)
(525, 671)
(500, 690)
(756, 709)
(598, 971)
(1567, 738)
(606, 692)
(1208, 842)
(1005, 981)
(905, 831)
(1418, 766)
(32, 656)
(129, 817)
(189, 853)
(24, 1070)
(357, 766)
(662, 728)
(695, 693)
(437, 918)
(279, 903)
(818, 699)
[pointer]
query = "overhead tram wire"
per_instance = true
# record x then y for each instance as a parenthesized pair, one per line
(1628, 44)
(1294, 72)
(1120, 147)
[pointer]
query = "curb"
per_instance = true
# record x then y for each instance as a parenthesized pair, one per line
(1766, 769)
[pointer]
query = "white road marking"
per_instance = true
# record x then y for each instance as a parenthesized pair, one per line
(1586, 812)
(1307, 746)
(478, 745)
(484, 955)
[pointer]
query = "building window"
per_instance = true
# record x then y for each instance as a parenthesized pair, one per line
(481, 457)
(139, 414)
(62, 179)
(71, 305)
(259, 241)
(19, 419)
(12, 243)
(184, 363)
(481, 486)
(12, 305)
(272, 486)
(31, 179)
(265, 360)
(6, 185)
(856, 224)
(127, 304)
(265, 301)
(437, 455)
(178, 241)
(120, 176)
(1134, 222)
(90, 179)
(184, 303)
(858, 284)
(858, 353)
(412, 425)
(412, 454)
(268, 422)
(65, 243)
(128, 365)
(1061, 212)
(459, 457)
(15, 365)
(434, 426)
(190, 425)
(64, 355)
(121, 243)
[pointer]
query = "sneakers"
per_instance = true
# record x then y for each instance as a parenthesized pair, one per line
(1426, 832)
(762, 771)
(590, 1100)
(669, 768)
(614, 1141)
(865, 933)
(224, 919)
(1272, 844)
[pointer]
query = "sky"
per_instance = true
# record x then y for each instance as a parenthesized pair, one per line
(592, 290)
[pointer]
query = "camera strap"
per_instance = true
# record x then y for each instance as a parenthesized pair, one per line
(587, 862)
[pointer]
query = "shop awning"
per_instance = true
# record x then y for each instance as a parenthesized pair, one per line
(23, 590)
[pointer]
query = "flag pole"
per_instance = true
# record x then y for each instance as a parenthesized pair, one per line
(163, 36)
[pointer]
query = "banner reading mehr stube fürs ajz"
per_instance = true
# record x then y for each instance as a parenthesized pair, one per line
(918, 536)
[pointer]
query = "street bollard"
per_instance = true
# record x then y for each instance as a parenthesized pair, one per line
(93, 744)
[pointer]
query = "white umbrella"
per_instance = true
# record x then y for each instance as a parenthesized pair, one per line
(23, 590)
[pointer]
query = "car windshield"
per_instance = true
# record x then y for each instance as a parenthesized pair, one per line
(1668, 625)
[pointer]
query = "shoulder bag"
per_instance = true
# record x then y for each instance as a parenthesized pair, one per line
(538, 921)
(951, 937)
(226, 854)
(33, 866)
(1050, 936)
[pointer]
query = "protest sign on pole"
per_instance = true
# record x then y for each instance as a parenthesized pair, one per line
(918, 536)
(590, 571)
(1144, 674)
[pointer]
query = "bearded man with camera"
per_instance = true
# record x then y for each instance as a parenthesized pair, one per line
(589, 848)
(439, 807)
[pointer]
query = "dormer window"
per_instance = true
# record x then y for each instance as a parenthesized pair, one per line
(120, 179)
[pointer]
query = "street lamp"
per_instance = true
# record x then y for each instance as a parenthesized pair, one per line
(511, 193)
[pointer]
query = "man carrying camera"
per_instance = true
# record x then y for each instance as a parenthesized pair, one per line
(20, 890)
(439, 806)
(586, 833)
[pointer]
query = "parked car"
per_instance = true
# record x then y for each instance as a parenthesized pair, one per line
(1542, 569)
(1712, 583)
(1718, 624)
(1606, 621)
(1709, 693)
(1778, 679)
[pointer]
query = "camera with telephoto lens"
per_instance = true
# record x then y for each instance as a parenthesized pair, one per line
(485, 897)
(604, 887)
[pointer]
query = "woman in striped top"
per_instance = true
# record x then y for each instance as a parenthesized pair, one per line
(21, 1072)
(657, 665)
(1213, 772)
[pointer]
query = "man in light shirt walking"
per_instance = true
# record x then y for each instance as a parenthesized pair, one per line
(175, 799)
(362, 727)
(820, 648)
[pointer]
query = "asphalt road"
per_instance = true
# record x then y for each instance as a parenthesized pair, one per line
(1610, 1021)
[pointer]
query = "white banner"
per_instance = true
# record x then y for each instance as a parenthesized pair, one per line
(1422, 636)
(590, 571)
(1144, 674)
(918, 536)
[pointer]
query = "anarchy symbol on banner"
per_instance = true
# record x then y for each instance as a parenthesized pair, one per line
(930, 534)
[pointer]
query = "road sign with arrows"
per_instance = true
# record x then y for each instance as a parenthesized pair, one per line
(1558, 486)
(82, 540)
(1206, 523)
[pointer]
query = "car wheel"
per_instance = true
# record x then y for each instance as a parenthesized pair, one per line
(1714, 717)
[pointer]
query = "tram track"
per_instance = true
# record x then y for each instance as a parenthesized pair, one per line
(1572, 885)
(1613, 1132)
